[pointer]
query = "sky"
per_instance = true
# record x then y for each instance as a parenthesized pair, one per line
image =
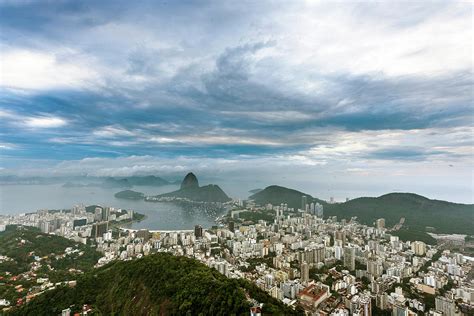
(334, 98)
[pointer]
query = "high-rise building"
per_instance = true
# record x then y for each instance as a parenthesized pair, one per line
(232, 226)
(319, 254)
(399, 310)
(375, 267)
(380, 223)
(198, 231)
(340, 235)
(318, 208)
(46, 226)
(269, 280)
(349, 258)
(418, 247)
(381, 300)
(105, 213)
(304, 272)
(276, 293)
(304, 201)
(79, 222)
(338, 252)
(78, 209)
(278, 212)
(98, 214)
(361, 305)
(98, 229)
(445, 305)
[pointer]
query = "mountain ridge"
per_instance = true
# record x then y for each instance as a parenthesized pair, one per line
(276, 194)
(420, 212)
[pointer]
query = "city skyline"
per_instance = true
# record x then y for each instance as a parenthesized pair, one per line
(374, 96)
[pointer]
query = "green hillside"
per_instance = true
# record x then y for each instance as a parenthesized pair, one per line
(31, 252)
(276, 195)
(22, 244)
(129, 195)
(419, 212)
(159, 284)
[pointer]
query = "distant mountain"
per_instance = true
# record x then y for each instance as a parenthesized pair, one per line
(419, 212)
(276, 195)
(255, 191)
(190, 181)
(129, 195)
(152, 181)
(159, 284)
(127, 182)
(190, 189)
(116, 183)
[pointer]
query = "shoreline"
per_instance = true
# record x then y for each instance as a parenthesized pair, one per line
(159, 231)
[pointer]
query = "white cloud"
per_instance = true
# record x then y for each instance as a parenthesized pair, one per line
(335, 38)
(37, 70)
(44, 122)
(271, 116)
(33, 121)
(113, 131)
(7, 146)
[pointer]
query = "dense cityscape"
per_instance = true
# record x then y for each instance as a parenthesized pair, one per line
(334, 143)
(324, 265)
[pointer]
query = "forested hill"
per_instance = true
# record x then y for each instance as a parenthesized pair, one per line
(276, 195)
(419, 212)
(159, 284)
(21, 244)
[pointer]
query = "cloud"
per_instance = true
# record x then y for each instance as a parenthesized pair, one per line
(44, 122)
(31, 122)
(318, 85)
(405, 153)
(112, 132)
(26, 69)
(7, 146)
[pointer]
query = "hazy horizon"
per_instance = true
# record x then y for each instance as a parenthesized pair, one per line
(239, 187)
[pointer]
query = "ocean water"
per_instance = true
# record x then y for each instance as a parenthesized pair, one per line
(17, 199)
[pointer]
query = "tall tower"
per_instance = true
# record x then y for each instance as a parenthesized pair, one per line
(198, 231)
(349, 258)
(304, 272)
(304, 201)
